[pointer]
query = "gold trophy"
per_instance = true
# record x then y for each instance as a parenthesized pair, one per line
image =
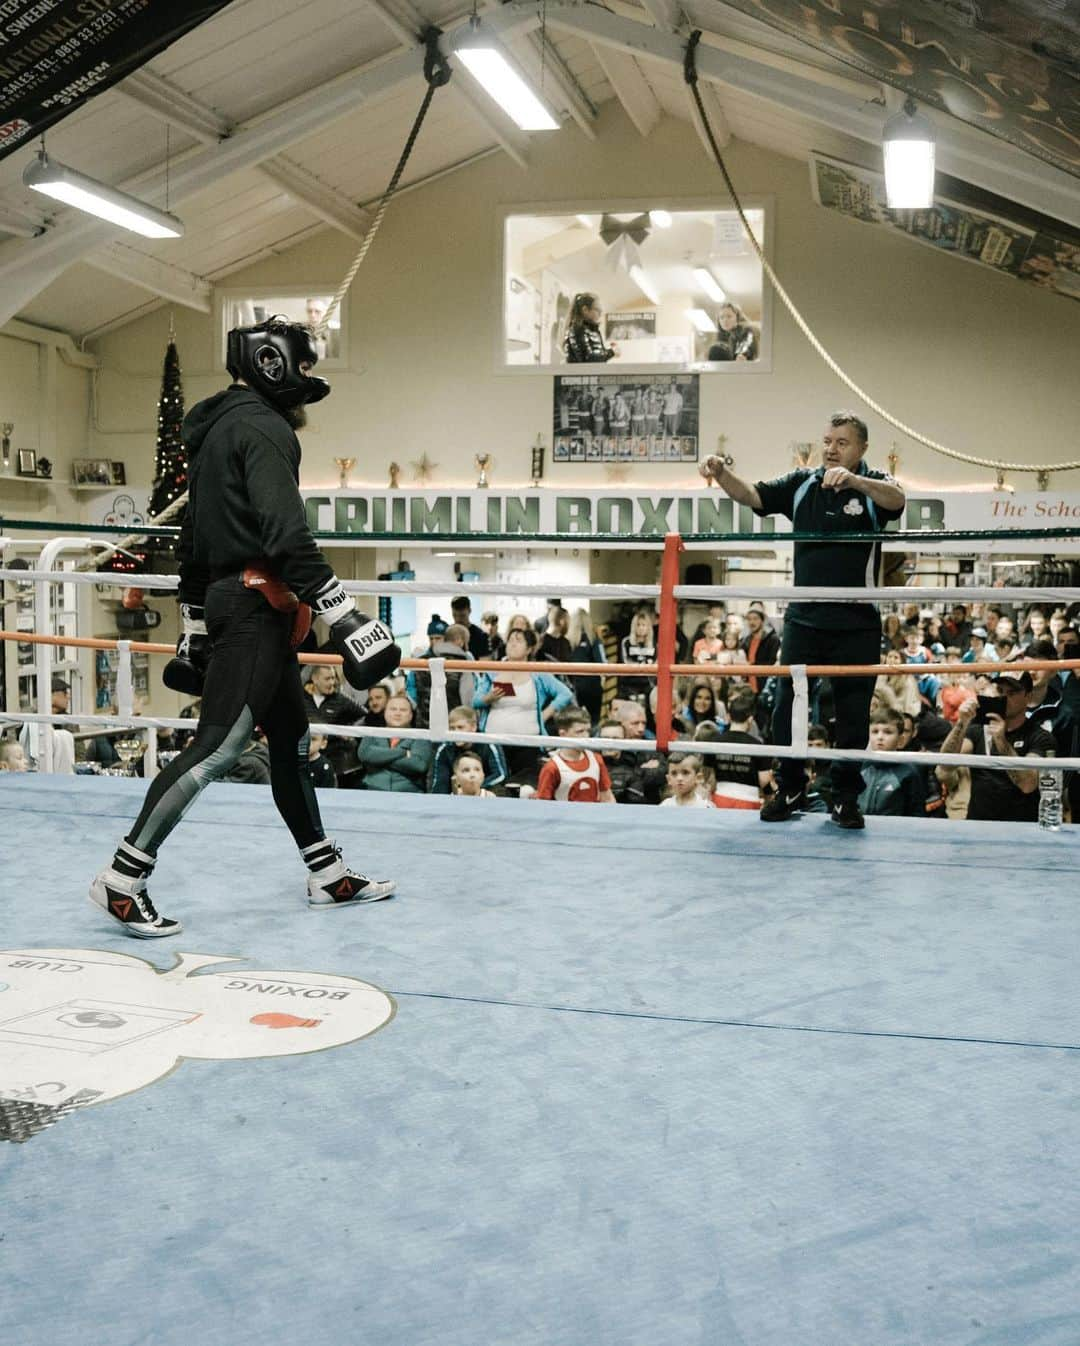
(482, 461)
(345, 466)
(395, 475)
(129, 750)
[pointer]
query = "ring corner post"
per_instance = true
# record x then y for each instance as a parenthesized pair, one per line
(665, 646)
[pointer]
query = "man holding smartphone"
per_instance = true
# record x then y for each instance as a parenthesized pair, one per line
(997, 725)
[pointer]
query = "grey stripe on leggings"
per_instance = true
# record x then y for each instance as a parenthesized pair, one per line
(187, 787)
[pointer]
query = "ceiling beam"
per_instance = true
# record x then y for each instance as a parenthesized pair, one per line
(160, 278)
(153, 93)
(164, 100)
(962, 151)
(407, 24)
(665, 14)
(28, 265)
(631, 87)
(307, 190)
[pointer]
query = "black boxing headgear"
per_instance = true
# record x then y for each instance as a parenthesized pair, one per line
(268, 357)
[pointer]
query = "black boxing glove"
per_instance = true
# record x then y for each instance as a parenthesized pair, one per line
(366, 646)
(186, 670)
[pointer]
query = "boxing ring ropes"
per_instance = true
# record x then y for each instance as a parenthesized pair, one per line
(666, 595)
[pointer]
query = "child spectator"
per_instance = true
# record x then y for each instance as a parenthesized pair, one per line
(463, 720)
(468, 776)
(707, 649)
(817, 736)
(320, 770)
(889, 789)
(12, 757)
(575, 774)
(739, 779)
(396, 764)
(490, 622)
(685, 782)
(625, 773)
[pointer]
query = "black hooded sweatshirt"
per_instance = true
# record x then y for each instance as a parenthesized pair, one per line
(244, 502)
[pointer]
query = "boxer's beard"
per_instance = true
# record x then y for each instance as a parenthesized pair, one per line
(296, 416)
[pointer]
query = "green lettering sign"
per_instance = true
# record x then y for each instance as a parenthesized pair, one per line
(350, 514)
(434, 520)
(522, 516)
(619, 506)
(573, 514)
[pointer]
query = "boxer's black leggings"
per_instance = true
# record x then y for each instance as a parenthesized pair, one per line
(253, 679)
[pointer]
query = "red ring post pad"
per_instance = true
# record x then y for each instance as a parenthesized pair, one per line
(665, 645)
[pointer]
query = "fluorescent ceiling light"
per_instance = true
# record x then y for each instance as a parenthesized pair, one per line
(45, 175)
(908, 145)
(586, 220)
(481, 56)
(708, 282)
(660, 219)
(701, 320)
(644, 284)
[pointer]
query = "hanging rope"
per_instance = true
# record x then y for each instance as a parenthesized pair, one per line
(691, 76)
(437, 72)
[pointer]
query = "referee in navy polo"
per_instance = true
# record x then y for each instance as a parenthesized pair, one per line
(842, 496)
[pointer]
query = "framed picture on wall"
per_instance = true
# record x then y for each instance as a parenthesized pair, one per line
(27, 463)
(118, 474)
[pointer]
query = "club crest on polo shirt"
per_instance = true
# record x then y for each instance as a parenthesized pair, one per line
(853, 507)
(82, 1026)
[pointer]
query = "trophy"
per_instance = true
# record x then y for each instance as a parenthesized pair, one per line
(482, 461)
(395, 472)
(5, 441)
(538, 460)
(345, 466)
(129, 750)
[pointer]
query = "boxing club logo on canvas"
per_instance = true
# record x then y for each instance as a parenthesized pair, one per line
(82, 1026)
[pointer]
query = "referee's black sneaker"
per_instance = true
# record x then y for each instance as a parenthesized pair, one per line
(846, 813)
(781, 806)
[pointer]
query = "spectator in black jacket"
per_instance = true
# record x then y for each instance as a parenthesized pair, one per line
(584, 343)
(479, 645)
(325, 704)
(320, 770)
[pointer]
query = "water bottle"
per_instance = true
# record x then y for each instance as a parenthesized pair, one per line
(1049, 798)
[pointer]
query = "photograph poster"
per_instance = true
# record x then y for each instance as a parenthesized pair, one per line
(637, 418)
(1028, 251)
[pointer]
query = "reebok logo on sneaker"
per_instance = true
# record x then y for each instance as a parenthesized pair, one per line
(120, 907)
(344, 889)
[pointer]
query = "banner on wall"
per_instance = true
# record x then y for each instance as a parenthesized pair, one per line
(55, 54)
(640, 515)
(1043, 254)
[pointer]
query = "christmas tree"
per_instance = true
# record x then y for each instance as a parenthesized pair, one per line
(171, 465)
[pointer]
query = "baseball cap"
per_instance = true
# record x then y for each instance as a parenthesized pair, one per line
(1023, 679)
(979, 631)
(757, 607)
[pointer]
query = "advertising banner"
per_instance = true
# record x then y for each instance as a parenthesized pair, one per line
(55, 54)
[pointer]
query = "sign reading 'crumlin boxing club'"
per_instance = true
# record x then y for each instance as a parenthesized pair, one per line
(644, 515)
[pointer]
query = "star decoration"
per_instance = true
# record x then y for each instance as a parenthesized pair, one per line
(423, 468)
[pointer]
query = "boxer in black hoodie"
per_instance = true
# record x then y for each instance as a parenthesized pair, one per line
(251, 576)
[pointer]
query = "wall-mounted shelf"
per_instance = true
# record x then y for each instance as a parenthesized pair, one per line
(93, 486)
(25, 481)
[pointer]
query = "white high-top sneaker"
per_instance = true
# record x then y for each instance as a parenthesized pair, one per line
(336, 885)
(127, 901)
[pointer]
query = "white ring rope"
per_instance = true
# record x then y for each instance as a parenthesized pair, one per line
(549, 741)
(615, 592)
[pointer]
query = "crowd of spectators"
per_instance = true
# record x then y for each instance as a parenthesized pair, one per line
(1010, 711)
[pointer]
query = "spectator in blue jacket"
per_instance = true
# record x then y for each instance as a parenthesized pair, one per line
(462, 720)
(890, 790)
(397, 764)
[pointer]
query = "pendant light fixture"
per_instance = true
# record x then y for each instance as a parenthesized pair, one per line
(908, 146)
(483, 57)
(65, 184)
